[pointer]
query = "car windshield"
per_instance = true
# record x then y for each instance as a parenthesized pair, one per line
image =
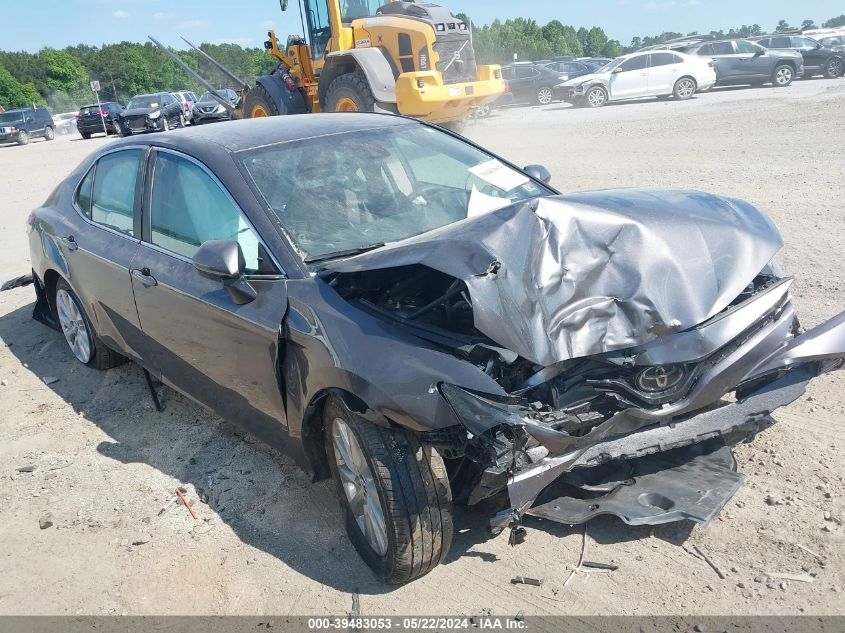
(223, 94)
(11, 117)
(833, 41)
(342, 193)
(613, 63)
(144, 101)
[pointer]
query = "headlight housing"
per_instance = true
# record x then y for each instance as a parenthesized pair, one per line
(154, 115)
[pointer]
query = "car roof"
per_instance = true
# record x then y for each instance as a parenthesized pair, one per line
(235, 136)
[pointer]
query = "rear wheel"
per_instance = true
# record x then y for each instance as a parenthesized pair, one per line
(783, 75)
(259, 104)
(684, 88)
(85, 135)
(350, 93)
(545, 95)
(49, 134)
(79, 333)
(834, 68)
(596, 97)
(395, 491)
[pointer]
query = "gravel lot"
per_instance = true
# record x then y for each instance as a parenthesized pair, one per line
(106, 464)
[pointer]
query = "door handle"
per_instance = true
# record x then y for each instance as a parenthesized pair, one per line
(144, 276)
(70, 243)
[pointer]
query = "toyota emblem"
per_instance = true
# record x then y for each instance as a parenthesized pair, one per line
(660, 378)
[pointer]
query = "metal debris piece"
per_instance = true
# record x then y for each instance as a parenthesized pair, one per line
(27, 469)
(796, 577)
(180, 492)
(709, 561)
(50, 380)
(594, 565)
(809, 551)
(46, 521)
(17, 282)
(524, 580)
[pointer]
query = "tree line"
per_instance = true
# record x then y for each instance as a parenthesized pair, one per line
(60, 78)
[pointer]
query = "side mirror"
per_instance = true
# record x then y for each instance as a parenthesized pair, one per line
(617, 70)
(759, 53)
(224, 260)
(539, 172)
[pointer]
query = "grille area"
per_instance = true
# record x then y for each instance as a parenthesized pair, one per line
(456, 69)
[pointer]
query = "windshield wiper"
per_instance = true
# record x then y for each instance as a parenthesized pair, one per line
(341, 254)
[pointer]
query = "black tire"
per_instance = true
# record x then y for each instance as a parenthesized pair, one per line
(684, 88)
(182, 122)
(595, 97)
(102, 357)
(49, 133)
(23, 137)
(164, 125)
(783, 75)
(413, 490)
(834, 68)
(85, 135)
(351, 88)
(260, 104)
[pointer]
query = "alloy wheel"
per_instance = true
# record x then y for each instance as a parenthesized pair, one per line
(73, 326)
(783, 75)
(596, 98)
(834, 68)
(545, 96)
(359, 486)
(686, 89)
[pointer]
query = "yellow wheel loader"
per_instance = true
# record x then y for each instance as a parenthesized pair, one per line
(400, 56)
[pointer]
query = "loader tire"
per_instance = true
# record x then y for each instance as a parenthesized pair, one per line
(260, 104)
(350, 93)
(392, 486)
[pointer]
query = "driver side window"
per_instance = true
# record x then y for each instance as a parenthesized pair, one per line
(188, 208)
(320, 26)
(635, 63)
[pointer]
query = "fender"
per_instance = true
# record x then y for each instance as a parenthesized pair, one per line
(377, 67)
(290, 102)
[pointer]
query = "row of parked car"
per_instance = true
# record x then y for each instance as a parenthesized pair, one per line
(677, 68)
(144, 113)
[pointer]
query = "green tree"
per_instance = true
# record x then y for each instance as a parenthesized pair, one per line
(782, 26)
(808, 24)
(834, 23)
(14, 94)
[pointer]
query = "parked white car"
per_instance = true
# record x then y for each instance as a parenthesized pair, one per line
(646, 74)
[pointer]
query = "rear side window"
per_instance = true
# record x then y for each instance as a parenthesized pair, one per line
(722, 48)
(189, 208)
(780, 42)
(748, 48)
(663, 59)
(705, 50)
(113, 199)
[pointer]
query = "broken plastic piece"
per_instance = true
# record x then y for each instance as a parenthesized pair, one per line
(524, 580)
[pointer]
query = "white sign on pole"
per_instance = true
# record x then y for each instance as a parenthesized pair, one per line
(95, 86)
(515, 57)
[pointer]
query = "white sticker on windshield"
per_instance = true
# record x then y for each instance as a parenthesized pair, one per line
(499, 175)
(481, 204)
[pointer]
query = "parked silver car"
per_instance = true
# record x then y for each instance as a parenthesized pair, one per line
(744, 62)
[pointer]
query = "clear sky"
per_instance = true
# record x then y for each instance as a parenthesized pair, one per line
(32, 24)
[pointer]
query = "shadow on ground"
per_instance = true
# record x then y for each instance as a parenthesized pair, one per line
(262, 496)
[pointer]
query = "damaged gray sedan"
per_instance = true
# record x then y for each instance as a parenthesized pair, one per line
(428, 324)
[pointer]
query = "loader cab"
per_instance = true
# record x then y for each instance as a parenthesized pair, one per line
(318, 19)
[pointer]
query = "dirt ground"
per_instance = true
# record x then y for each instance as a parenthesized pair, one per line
(106, 465)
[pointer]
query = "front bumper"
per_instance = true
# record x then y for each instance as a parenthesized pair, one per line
(141, 125)
(424, 95)
(768, 369)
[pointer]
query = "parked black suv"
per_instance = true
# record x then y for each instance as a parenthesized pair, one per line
(157, 112)
(91, 118)
(20, 125)
(532, 83)
(818, 59)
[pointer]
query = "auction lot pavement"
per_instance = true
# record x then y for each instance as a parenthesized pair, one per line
(267, 541)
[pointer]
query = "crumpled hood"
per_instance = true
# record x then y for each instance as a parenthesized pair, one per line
(577, 81)
(139, 112)
(590, 273)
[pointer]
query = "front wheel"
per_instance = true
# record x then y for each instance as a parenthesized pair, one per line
(350, 93)
(395, 492)
(545, 95)
(258, 104)
(596, 97)
(783, 76)
(23, 137)
(684, 88)
(834, 68)
(164, 124)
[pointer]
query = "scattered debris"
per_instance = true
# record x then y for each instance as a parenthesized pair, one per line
(827, 515)
(27, 469)
(61, 466)
(17, 282)
(180, 492)
(808, 550)
(168, 505)
(356, 606)
(524, 580)
(50, 380)
(796, 577)
(580, 559)
(772, 501)
(519, 617)
(709, 561)
(46, 521)
(141, 539)
(594, 565)
(4, 383)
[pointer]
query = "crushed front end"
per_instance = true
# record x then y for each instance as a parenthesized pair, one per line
(643, 434)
